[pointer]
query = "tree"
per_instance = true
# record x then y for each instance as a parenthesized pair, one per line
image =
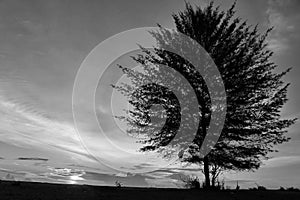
(255, 92)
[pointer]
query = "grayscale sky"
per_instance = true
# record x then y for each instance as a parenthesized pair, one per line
(42, 45)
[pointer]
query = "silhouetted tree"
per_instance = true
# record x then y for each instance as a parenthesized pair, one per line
(255, 91)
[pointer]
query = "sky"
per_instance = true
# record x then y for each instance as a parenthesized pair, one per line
(44, 43)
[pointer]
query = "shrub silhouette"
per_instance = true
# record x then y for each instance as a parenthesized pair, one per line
(191, 182)
(118, 184)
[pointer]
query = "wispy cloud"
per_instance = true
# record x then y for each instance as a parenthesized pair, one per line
(281, 161)
(22, 126)
(25, 127)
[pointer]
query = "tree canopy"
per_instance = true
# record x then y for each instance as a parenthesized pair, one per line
(255, 91)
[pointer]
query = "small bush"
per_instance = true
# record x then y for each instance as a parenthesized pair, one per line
(292, 189)
(118, 184)
(191, 182)
(281, 188)
(261, 188)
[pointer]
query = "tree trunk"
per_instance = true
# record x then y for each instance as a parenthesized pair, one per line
(206, 172)
(213, 182)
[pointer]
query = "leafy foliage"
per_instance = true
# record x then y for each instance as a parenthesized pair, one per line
(255, 90)
(191, 182)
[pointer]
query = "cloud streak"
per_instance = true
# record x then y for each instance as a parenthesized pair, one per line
(22, 126)
(35, 159)
(281, 161)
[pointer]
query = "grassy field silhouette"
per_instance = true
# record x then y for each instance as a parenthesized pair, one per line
(10, 190)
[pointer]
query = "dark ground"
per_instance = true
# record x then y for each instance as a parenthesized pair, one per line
(40, 191)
